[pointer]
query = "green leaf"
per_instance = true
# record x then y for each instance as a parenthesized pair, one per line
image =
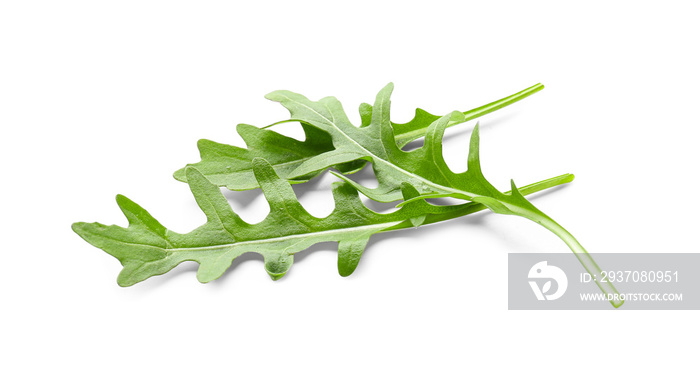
(146, 248)
(423, 169)
(230, 166)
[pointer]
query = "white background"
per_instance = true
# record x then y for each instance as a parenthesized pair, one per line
(99, 98)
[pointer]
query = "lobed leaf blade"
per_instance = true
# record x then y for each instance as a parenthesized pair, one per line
(146, 248)
(230, 166)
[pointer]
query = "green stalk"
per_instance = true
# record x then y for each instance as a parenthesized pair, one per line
(460, 210)
(403, 139)
(579, 251)
(537, 216)
(584, 258)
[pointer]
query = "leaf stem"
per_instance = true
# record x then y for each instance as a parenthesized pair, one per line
(579, 251)
(407, 137)
(584, 257)
(473, 207)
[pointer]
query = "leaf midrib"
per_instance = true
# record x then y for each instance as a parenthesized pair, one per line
(286, 237)
(250, 169)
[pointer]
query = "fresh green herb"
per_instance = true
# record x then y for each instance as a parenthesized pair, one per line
(231, 166)
(146, 248)
(273, 161)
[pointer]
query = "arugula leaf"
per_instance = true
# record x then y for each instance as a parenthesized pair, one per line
(146, 248)
(231, 166)
(423, 168)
